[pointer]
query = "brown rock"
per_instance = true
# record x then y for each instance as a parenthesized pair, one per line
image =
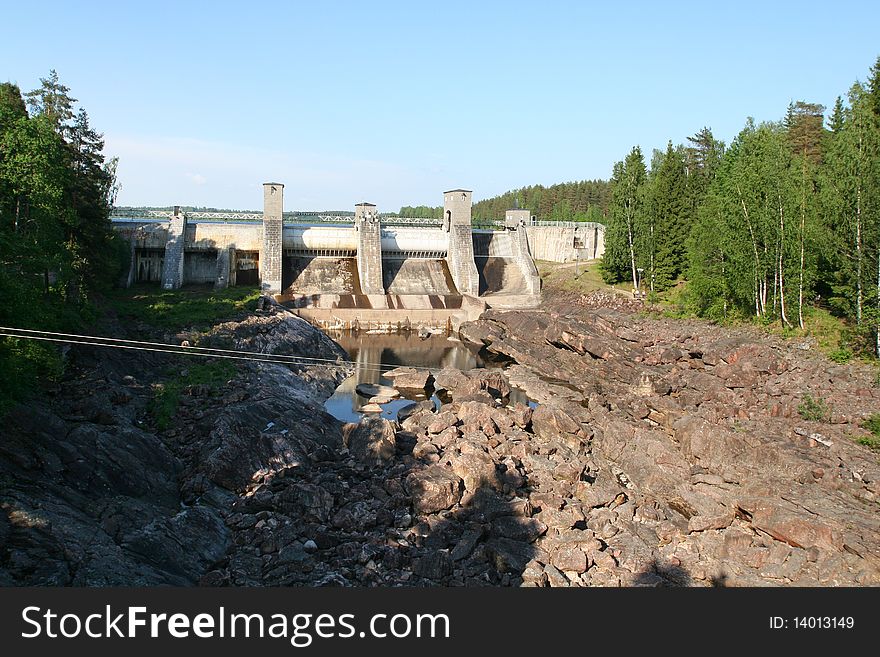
(569, 558)
(433, 489)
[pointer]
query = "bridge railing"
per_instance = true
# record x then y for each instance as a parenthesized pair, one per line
(296, 217)
(564, 224)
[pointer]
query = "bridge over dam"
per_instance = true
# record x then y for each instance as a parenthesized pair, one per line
(358, 270)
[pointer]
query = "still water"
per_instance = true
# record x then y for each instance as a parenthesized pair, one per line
(374, 354)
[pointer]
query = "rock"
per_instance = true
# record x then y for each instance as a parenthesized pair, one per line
(549, 422)
(793, 527)
(555, 578)
(522, 529)
(372, 390)
(510, 555)
(435, 565)
(703, 523)
(409, 378)
(310, 546)
(466, 544)
(443, 421)
(451, 380)
(433, 489)
(476, 469)
(371, 441)
(570, 558)
(184, 545)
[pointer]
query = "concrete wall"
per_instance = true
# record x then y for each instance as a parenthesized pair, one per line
(207, 236)
(200, 267)
(417, 276)
(566, 243)
(271, 254)
(414, 240)
(321, 238)
(308, 275)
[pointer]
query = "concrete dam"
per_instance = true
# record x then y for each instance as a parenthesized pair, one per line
(358, 271)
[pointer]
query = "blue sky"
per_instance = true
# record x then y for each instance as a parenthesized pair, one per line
(395, 102)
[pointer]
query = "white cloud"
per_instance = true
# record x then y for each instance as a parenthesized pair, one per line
(197, 178)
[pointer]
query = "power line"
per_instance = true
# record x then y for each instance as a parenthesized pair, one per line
(208, 352)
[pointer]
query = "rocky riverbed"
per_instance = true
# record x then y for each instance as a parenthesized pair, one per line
(662, 453)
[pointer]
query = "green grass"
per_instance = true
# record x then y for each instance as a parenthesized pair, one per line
(815, 410)
(197, 307)
(166, 399)
(581, 278)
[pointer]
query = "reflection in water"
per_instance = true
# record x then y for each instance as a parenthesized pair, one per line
(373, 354)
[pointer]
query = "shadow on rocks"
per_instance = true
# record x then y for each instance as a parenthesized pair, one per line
(658, 574)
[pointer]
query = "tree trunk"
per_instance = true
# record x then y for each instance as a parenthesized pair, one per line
(632, 252)
(803, 227)
(758, 306)
(859, 255)
(782, 314)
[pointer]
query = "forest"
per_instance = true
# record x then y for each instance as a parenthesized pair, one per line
(586, 200)
(57, 247)
(784, 219)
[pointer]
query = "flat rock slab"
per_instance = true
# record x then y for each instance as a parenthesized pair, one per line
(373, 390)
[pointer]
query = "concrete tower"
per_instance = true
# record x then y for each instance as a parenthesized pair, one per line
(369, 256)
(460, 255)
(271, 255)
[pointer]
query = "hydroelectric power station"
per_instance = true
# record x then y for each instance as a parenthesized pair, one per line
(362, 270)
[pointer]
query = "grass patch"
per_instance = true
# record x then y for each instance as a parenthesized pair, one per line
(815, 410)
(582, 278)
(197, 307)
(166, 400)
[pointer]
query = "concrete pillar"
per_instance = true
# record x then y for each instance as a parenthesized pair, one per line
(172, 269)
(599, 248)
(224, 257)
(369, 254)
(132, 269)
(272, 252)
(460, 255)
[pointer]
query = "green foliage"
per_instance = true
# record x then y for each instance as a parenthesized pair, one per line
(872, 424)
(179, 309)
(842, 355)
(625, 234)
(421, 212)
(166, 400)
(668, 220)
(586, 200)
(56, 241)
(815, 410)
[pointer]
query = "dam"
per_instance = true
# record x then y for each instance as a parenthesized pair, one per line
(352, 271)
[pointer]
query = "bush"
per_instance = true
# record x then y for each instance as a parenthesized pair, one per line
(872, 424)
(842, 355)
(815, 410)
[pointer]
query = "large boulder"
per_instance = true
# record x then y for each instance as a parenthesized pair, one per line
(371, 441)
(434, 489)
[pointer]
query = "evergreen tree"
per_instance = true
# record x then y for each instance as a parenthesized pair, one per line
(669, 219)
(624, 234)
